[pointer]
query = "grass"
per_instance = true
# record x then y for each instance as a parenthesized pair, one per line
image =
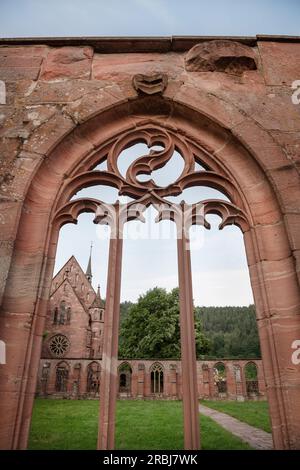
(151, 425)
(255, 413)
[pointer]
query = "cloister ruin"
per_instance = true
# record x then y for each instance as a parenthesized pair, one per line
(227, 104)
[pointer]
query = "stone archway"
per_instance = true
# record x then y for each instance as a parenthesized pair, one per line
(125, 379)
(233, 169)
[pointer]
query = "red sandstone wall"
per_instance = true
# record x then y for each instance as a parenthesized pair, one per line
(51, 89)
(54, 116)
(141, 379)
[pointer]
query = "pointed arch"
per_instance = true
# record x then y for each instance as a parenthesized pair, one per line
(226, 146)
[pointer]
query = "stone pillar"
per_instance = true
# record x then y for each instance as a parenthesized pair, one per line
(238, 376)
(140, 380)
(109, 371)
(188, 348)
(276, 294)
(230, 378)
(173, 381)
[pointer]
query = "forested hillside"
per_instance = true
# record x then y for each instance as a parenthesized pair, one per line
(150, 329)
(232, 331)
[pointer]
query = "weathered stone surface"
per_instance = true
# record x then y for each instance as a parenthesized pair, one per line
(65, 110)
(290, 143)
(280, 62)
(19, 63)
(62, 91)
(220, 56)
(87, 106)
(67, 62)
(150, 84)
(46, 136)
(117, 67)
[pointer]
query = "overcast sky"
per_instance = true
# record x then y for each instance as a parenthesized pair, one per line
(148, 17)
(220, 274)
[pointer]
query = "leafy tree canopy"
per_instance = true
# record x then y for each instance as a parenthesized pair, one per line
(150, 328)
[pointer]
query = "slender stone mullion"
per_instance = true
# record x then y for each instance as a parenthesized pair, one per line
(188, 348)
(109, 375)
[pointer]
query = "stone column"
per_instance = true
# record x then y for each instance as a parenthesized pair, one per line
(276, 294)
(188, 349)
(140, 380)
(109, 371)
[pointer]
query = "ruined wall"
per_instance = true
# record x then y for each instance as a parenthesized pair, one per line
(140, 382)
(49, 90)
(65, 98)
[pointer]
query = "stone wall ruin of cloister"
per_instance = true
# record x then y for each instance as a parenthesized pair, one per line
(224, 102)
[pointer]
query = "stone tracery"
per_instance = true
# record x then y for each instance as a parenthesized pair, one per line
(238, 144)
(184, 215)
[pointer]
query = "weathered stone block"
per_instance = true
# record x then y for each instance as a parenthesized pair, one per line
(220, 55)
(280, 62)
(67, 62)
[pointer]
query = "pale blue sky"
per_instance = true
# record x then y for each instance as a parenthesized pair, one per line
(220, 274)
(148, 17)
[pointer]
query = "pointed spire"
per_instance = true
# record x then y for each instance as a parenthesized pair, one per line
(89, 266)
(98, 302)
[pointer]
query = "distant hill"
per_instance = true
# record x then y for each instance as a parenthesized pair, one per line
(232, 331)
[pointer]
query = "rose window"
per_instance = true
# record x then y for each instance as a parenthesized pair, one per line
(59, 345)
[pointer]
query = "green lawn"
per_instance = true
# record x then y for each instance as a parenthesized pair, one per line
(255, 413)
(72, 424)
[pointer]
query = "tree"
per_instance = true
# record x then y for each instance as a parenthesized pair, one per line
(232, 331)
(151, 327)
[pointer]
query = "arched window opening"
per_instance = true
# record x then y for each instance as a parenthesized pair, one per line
(62, 377)
(93, 378)
(62, 313)
(55, 316)
(69, 315)
(251, 377)
(220, 379)
(125, 373)
(157, 379)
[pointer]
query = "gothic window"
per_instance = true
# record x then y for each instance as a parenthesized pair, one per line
(93, 378)
(220, 378)
(76, 278)
(125, 372)
(89, 338)
(55, 316)
(68, 315)
(251, 379)
(62, 376)
(62, 313)
(101, 313)
(157, 379)
(59, 345)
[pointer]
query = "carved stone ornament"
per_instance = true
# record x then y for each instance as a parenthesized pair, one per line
(148, 192)
(150, 84)
(220, 56)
